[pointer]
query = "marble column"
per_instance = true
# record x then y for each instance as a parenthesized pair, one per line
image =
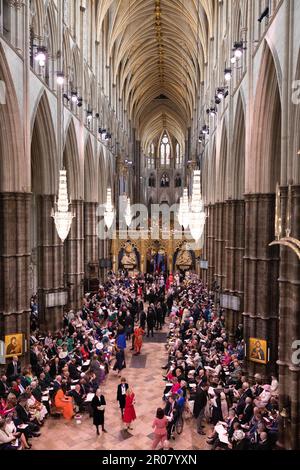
(289, 329)
(15, 265)
(91, 260)
(74, 257)
(234, 254)
(50, 267)
(261, 279)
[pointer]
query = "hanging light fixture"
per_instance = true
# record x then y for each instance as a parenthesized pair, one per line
(128, 213)
(41, 56)
(185, 210)
(63, 216)
(197, 213)
(109, 213)
(228, 74)
(179, 215)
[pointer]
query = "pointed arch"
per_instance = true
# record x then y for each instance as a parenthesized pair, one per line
(212, 174)
(266, 129)
(222, 165)
(14, 170)
(101, 180)
(71, 162)
(238, 152)
(44, 165)
(90, 191)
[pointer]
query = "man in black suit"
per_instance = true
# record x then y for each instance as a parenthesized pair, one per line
(13, 369)
(3, 387)
(199, 407)
(55, 368)
(74, 373)
(171, 412)
(246, 393)
(151, 318)
(57, 384)
(121, 395)
(78, 396)
(24, 417)
(264, 442)
(248, 411)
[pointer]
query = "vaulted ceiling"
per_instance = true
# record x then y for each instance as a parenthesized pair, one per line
(158, 50)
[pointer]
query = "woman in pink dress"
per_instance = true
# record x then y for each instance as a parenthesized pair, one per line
(160, 428)
(129, 412)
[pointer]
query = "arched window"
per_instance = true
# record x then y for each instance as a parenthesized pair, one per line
(151, 158)
(165, 181)
(178, 156)
(178, 181)
(165, 151)
(152, 182)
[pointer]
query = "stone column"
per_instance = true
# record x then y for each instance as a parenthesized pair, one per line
(74, 257)
(261, 279)
(235, 249)
(91, 260)
(15, 265)
(50, 266)
(289, 330)
(101, 256)
(211, 245)
(204, 273)
(220, 244)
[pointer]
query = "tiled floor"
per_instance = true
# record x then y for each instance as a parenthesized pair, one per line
(148, 386)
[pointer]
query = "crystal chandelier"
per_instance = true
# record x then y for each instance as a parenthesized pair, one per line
(62, 216)
(184, 212)
(197, 213)
(128, 213)
(109, 213)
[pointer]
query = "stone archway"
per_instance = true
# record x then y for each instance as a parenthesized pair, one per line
(74, 244)
(289, 280)
(235, 220)
(15, 200)
(91, 259)
(46, 248)
(261, 299)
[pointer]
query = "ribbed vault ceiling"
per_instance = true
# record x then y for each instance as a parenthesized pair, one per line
(158, 48)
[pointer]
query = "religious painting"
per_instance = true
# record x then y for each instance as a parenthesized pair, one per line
(258, 351)
(13, 345)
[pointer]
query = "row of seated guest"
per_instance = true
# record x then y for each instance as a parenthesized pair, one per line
(208, 369)
(67, 365)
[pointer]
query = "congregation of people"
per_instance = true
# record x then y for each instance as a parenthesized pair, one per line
(204, 371)
(205, 377)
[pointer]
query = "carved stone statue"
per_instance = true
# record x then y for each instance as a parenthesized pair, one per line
(129, 257)
(184, 258)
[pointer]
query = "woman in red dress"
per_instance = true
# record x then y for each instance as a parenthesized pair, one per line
(129, 412)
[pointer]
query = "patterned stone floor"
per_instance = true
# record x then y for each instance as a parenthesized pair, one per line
(145, 376)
